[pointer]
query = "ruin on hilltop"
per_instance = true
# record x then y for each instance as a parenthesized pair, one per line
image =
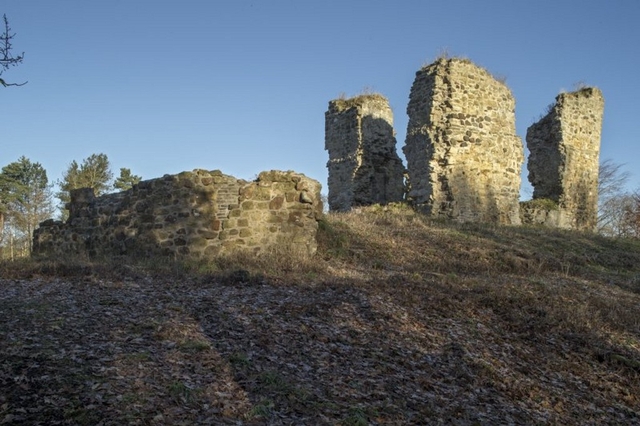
(464, 159)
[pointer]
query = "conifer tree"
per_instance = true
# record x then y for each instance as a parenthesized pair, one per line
(25, 197)
(94, 172)
(126, 180)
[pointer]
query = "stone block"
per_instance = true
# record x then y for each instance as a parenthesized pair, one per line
(276, 203)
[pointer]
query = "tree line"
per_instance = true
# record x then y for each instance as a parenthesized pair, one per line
(27, 198)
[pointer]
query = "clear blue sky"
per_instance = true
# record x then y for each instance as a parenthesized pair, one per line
(164, 86)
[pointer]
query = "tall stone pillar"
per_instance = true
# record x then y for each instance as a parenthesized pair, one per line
(463, 155)
(364, 167)
(564, 157)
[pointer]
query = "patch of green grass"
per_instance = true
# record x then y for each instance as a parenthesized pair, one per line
(274, 384)
(357, 417)
(180, 392)
(108, 302)
(139, 356)
(332, 238)
(540, 203)
(239, 359)
(130, 398)
(274, 381)
(82, 416)
(194, 346)
(262, 409)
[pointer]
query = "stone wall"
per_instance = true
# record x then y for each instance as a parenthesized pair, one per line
(364, 167)
(463, 155)
(541, 211)
(197, 214)
(564, 157)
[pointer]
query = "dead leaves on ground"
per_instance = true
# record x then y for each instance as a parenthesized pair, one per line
(402, 350)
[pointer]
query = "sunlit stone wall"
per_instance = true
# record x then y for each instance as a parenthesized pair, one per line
(198, 214)
(564, 160)
(463, 155)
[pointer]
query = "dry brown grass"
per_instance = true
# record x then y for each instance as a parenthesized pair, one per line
(343, 102)
(398, 319)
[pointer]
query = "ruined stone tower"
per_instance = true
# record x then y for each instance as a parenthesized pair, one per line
(565, 149)
(463, 155)
(364, 167)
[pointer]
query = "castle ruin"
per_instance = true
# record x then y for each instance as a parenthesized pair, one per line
(198, 215)
(364, 167)
(463, 155)
(564, 158)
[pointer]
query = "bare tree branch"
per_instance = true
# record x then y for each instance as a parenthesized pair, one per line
(7, 60)
(5, 84)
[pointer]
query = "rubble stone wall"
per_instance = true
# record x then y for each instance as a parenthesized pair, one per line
(364, 167)
(463, 155)
(541, 211)
(198, 214)
(564, 157)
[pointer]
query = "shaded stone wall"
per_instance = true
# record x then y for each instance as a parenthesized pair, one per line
(463, 155)
(198, 214)
(541, 211)
(364, 167)
(564, 157)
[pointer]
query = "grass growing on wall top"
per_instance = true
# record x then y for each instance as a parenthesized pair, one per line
(343, 103)
(540, 203)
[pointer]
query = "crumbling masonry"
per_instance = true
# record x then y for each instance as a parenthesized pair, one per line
(563, 164)
(364, 167)
(463, 155)
(197, 215)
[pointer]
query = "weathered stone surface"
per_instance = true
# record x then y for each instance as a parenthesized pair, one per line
(541, 211)
(364, 167)
(463, 155)
(565, 151)
(197, 214)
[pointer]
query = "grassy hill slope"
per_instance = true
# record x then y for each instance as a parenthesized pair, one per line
(398, 319)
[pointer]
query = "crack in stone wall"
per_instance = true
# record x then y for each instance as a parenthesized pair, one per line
(198, 214)
(364, 167)
(564, 156)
